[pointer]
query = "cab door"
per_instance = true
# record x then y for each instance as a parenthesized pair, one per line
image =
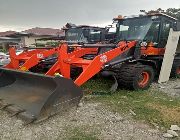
(164, 32)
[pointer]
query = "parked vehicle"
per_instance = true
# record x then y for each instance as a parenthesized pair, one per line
(134, 58)
(4, 59)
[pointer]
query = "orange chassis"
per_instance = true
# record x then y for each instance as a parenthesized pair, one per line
(66, 60)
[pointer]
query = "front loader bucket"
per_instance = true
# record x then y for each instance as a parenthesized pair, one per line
(35, 97)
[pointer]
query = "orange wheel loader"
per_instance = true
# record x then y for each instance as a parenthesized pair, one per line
(134, 57)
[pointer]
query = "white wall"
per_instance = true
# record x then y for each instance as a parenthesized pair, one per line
(171, 48)
(29, 41)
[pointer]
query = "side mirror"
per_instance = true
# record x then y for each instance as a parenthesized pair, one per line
(176, 26)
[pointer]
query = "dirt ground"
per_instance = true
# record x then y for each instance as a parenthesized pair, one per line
(90, 119)
(172, 87)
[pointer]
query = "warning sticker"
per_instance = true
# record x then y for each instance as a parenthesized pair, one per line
(40, 55)
(103, 59)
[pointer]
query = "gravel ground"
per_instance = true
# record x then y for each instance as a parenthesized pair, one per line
(94, 117)
(90, 118)
(172, 87)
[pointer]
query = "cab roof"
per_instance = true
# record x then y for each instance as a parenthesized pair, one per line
(87, 26)
(146, 15)
(70, 25)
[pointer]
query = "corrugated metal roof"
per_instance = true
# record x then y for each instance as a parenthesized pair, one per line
(44, 31)
(7, 33)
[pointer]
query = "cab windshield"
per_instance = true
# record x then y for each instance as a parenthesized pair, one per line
(94, 36)
(83, 35)
(138, 29)
(75, 35)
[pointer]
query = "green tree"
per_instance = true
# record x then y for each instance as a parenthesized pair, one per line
(174, 12)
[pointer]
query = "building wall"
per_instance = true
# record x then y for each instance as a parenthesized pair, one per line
(31, 40)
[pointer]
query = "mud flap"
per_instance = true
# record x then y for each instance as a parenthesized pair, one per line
(35, 97)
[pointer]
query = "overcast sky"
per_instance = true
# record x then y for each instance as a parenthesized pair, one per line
(22, 14)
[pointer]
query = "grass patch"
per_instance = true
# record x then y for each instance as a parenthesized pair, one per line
(80, 134)
(150, 105)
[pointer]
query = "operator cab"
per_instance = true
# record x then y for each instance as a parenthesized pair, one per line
(84, 34)
(151, 29)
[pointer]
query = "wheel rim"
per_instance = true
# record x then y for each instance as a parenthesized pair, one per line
(178, 70)
(144, 79)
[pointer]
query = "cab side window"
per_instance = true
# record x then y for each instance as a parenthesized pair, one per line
(153, 33)
(95, 36)
(164, 34)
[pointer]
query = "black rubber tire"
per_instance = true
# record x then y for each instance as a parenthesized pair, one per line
(75, 72)
(129, 74)
(174, 72)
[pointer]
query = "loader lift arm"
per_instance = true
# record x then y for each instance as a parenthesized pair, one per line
(90, 67)
(66, 60)
(23, 57)
(99, 62)
(32, 58)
